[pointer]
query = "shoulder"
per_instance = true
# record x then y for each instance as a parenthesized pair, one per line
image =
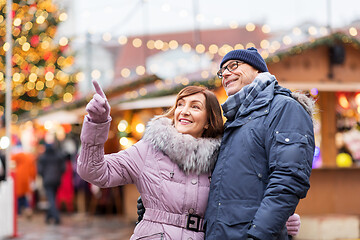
(289, 113)
(288, 103)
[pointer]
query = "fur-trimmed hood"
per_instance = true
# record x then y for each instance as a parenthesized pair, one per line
(305, 101)
(190, 154)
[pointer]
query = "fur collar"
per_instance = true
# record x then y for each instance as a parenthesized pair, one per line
(307, 103)
(190, 154)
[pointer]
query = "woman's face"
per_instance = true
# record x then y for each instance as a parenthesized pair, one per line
(190, 115)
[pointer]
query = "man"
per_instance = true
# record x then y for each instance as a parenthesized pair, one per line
(51, 166)
(265, 158)
(2, 167)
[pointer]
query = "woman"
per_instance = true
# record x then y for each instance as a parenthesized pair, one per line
(170, 165)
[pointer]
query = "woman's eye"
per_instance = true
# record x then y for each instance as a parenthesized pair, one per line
(196, 107)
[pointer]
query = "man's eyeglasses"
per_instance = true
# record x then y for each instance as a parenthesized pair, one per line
(230, 67)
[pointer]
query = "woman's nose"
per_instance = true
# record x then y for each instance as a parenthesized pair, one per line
(185, 110)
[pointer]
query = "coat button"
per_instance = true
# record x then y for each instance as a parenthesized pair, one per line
(191, 210)
(194, 181)
(287, 139)
(259, 175)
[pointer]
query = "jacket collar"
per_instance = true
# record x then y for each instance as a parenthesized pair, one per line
(190, 154)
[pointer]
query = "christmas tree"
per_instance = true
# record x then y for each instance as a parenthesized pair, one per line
(40, 64)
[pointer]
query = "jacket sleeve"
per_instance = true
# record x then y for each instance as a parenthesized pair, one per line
(107, 170)
(290, 147)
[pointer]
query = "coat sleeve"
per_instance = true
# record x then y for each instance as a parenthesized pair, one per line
(290, 147)
(107, 170)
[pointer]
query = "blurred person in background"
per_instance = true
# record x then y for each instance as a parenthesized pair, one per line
(25, 174)
(51, 166)
(65, 194)
(81, 188)
(2, 166)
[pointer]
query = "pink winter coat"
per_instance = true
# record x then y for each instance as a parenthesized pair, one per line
(170, 170)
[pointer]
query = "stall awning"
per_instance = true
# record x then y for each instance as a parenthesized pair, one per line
(165, 101)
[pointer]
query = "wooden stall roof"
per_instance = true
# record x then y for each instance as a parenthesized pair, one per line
(331, 63)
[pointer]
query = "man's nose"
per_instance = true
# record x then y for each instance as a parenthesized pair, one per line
(226, 73)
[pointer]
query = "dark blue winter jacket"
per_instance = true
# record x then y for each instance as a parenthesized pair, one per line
(263, 168)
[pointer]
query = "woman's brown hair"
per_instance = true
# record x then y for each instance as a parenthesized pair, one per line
(213, 110)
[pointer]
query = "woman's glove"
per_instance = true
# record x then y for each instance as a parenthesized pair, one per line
(98, 107)
(293, 224)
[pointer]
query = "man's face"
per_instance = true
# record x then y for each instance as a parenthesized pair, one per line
(235, 80)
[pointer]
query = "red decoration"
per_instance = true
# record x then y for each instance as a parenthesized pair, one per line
(67, 128)
(34, 40)
(49, 69)
(47, 56)
(64, 48)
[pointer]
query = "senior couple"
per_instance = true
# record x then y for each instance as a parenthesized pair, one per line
(201, 179)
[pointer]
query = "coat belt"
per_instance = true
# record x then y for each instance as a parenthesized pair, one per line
(187, 221)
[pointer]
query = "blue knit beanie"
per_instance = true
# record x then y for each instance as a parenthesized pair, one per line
(250, 56)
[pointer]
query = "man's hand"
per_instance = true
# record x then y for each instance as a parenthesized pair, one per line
(293, 224)
(140, 209)
(98, 107)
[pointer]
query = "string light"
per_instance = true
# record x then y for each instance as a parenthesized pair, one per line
(205, 74)
(122, 40)
(353, 31)
(200, 48)
(140, 70)
(107, 37)
(357, 99)
(137, 42)
(124, 141)
(213, 49)
(63, 41)
(125, 72)
(142, 91)
(158, 44)
(186, 47)
(68, 97)
(343, 101)
(312, 30)
(123, 124)
(287, 40)
(233, 25)
(96, 74)
(63, 17)
(173, 44)
(150, 44)
(140, 128)
(17, 22)
(250, 27)
(239, 46)
(266, 28)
